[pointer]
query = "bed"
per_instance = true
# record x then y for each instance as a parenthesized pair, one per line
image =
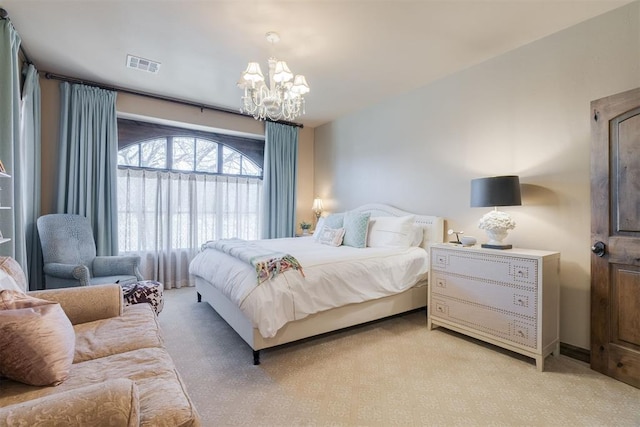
(395, 288)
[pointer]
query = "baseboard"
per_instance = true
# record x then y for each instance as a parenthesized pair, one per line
(578, 353)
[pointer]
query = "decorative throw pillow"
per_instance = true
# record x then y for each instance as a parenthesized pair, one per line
(331, 236)
(8, 282)
(356, 225)
(386, 231)
(37, 341)
(332, 221)
(11, 275)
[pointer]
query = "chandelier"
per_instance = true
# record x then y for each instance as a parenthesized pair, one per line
(282, 99)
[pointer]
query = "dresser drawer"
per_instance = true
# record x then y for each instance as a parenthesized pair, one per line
(491, 267)
(517, 299)
(511, 328)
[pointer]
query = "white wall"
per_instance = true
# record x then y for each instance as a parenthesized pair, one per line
(527, 113)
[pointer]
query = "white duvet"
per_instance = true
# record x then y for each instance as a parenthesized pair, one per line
(333, 277)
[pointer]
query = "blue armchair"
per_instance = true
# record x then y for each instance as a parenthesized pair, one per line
(69, 254)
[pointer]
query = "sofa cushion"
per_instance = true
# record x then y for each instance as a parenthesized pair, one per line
(137, 328)
(162, 394)
(37, 340)
(112, 403)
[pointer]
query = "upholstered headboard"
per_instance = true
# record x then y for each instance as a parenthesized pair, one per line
(433, 226)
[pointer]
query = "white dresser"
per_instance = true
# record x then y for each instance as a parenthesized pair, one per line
(509, 298)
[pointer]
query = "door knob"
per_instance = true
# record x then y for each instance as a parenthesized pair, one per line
(598, 248)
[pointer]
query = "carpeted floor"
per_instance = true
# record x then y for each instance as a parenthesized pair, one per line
(388, 373)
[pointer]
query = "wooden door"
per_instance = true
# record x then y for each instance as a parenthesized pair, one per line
(615, 233)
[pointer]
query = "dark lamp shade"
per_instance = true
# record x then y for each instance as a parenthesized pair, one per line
(495, 191)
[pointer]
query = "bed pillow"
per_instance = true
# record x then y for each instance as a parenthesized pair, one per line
(386, 231)
(37, 340)
(356, 226)
(332, 221)
(417, 235)
(331, 236)
(318, 229)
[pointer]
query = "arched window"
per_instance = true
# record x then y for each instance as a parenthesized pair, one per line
(179, 188)
(187, 154)
(156, 146)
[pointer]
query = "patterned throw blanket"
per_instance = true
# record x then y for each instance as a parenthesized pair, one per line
(267, 263)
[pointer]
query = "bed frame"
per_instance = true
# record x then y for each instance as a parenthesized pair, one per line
(336, 318)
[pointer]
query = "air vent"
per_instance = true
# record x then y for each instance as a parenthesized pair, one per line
(143, 64)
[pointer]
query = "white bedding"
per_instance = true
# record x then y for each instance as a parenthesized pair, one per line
(333, 277)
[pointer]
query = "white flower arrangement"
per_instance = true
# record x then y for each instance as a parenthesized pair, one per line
(496, 220)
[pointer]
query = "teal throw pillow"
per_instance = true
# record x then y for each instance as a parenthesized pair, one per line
(356, 225)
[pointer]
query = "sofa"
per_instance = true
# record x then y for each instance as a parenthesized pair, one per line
(117, 371)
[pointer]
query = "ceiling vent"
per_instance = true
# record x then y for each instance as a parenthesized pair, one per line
(143, 64)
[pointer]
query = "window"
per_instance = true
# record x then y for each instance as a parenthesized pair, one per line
(179, 188)
(188, 154)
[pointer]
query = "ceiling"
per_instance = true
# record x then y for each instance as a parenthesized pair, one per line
(354, 53)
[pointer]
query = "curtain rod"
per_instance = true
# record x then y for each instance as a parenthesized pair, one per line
(5, 15)
(52, 76)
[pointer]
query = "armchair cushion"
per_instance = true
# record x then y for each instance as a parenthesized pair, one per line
(113, 403)
(37, 340)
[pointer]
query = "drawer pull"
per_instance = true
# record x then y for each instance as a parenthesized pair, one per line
(521, 333)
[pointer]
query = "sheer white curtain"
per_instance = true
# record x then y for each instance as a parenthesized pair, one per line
(165, 217)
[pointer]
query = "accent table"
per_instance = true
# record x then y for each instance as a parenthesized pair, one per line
(509, 298)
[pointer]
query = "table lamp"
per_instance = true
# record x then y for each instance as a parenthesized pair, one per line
(317, 207)
(493, 192)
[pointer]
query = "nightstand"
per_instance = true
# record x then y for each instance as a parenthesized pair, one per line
(509, 298)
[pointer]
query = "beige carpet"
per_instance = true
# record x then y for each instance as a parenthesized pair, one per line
(388, 373)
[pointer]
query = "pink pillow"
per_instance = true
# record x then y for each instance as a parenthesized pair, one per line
(11, 268)
(37, 341)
